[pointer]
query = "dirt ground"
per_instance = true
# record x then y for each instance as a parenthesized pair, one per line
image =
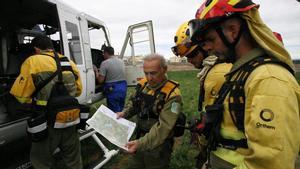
(180, 66)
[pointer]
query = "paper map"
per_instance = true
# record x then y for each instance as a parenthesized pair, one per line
(117, 131)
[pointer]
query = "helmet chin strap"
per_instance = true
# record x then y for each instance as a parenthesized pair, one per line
(231, 46)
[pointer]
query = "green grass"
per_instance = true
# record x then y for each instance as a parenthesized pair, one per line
(189, 87)
(184, 154)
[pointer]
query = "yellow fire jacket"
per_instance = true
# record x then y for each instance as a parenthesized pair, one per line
(272, 118)
(214, 81)
(38, 68)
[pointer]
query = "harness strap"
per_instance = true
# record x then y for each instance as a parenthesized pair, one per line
(235, 87)
(45, 82)
(232, 144)
(237, 93)
(64, 63)
(201, 85)
(202, 92)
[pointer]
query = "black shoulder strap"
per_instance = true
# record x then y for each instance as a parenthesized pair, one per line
(44, 83)
(61, 60)
(140, 87)
(237, 93)
(59, 69)
(234, 85)
(67, 65)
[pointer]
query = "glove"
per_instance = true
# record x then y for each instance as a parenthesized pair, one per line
(197, 125)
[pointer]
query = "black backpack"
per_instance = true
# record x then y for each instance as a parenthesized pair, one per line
(63, 110)
(61, 107)
(180, 125)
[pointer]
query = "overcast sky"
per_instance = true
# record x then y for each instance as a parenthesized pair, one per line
(282, 16)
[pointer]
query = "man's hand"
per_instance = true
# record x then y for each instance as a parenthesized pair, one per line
(132, 146)
(120, 115)
(96, 71)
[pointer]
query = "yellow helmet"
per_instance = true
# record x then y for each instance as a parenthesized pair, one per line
(183, 44)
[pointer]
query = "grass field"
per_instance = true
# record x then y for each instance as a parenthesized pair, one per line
(184, 152)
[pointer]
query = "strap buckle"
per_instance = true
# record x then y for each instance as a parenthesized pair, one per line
(230, 147)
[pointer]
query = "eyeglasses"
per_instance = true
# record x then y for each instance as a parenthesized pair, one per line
(197, 51)
(194, 53)
(182, 49)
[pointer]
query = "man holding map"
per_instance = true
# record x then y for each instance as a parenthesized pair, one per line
(157, 104)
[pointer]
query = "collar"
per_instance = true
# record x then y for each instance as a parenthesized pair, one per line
(254, 53)
(47, 52)
(111, 57)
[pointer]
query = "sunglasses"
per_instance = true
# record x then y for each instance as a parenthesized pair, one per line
(182, 49)
(196, 27)
(196, 51)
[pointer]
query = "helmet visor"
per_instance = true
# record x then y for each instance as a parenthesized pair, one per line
(197, 27)
(182, 49)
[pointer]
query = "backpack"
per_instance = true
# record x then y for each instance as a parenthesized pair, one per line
(180, 125)
(62, 110)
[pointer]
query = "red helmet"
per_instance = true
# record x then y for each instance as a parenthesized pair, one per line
(214, 11)
(278, 36)
(222, 8)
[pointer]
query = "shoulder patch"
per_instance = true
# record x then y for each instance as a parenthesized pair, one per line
(175, 107)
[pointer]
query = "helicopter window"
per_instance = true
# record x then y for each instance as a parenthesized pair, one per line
(74, 42)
